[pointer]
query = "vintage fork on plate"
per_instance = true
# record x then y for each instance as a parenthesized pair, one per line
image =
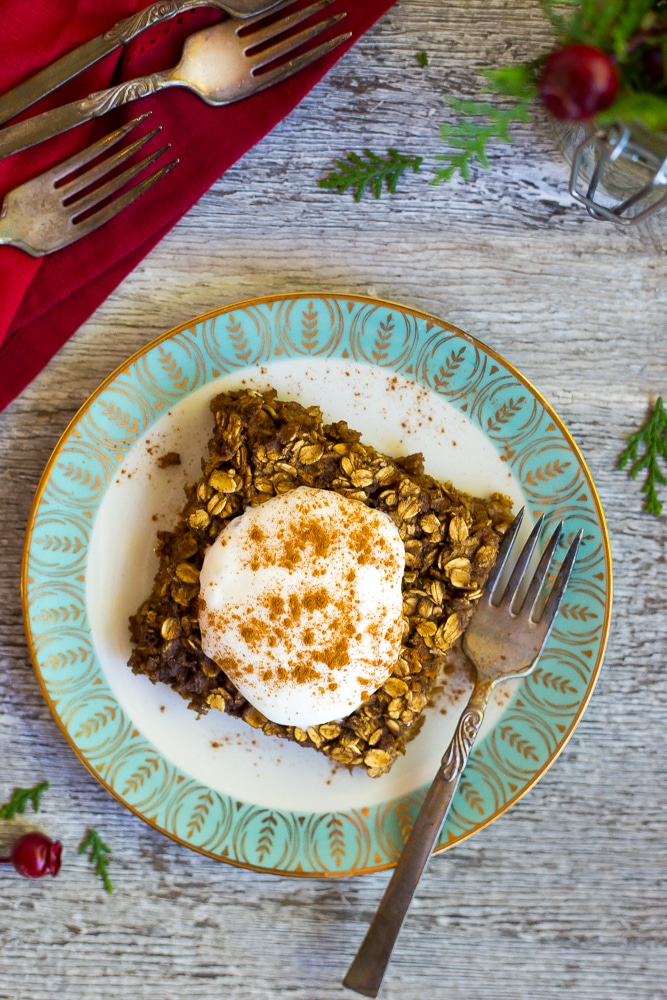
(49, 212)
(220, 64)
(504, 639)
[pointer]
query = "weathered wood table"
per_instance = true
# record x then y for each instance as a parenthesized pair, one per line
(566, 895)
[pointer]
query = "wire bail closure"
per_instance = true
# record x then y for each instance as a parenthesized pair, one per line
(616, 145)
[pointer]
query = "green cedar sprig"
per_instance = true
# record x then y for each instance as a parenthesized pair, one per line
(653, 436)
(18, 803)
(359, 175)
(483, 122)
(98, 854)
(519, 81)
(470, 137)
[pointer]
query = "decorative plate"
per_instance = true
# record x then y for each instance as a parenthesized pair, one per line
(408, 382)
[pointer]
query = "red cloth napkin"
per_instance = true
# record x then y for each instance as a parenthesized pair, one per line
(43, 301)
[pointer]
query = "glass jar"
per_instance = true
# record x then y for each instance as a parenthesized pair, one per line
(618, 173)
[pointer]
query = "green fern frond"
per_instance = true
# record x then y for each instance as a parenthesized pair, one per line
(98, 855)
(653, 437)
(372, 173)
(18, 803)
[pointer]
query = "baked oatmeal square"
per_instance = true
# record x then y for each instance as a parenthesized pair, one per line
(264, 447)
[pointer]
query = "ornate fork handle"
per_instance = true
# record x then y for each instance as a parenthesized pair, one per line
(127, 29)
(454, 761)
(50, 123)
(105, 100)
(90, 52)
(368, 968)
(69, 65)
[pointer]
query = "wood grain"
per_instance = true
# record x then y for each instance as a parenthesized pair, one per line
(565, 897)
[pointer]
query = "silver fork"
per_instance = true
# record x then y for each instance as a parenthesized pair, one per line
(45, 213)
(504, 640)
(46, 80)
(220, 64)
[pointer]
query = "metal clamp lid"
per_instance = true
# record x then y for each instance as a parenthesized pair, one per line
(604, 148)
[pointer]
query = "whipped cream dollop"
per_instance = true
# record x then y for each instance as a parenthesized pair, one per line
(301, 604)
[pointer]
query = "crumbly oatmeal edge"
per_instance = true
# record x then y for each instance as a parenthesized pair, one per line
(261, 447)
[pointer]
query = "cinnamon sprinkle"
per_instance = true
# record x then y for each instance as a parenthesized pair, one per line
(300, 633)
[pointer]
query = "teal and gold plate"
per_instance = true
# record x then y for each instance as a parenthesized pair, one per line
(409, 382)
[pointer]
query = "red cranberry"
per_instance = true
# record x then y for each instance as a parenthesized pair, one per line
(577, 82)
(35, 855)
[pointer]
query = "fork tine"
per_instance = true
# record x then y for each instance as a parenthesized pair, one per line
(278, 27)
(115, 184)
(288, 69)
(540, 575)
(561, 582)
(83, 157)
(510, 595)
(106, 166)
(504, 550)
(93, 222)
(293, 42)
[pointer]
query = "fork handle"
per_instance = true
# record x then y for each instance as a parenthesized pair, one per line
(51, 123)
(73, 63)
(70, 65)
(368, 968)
